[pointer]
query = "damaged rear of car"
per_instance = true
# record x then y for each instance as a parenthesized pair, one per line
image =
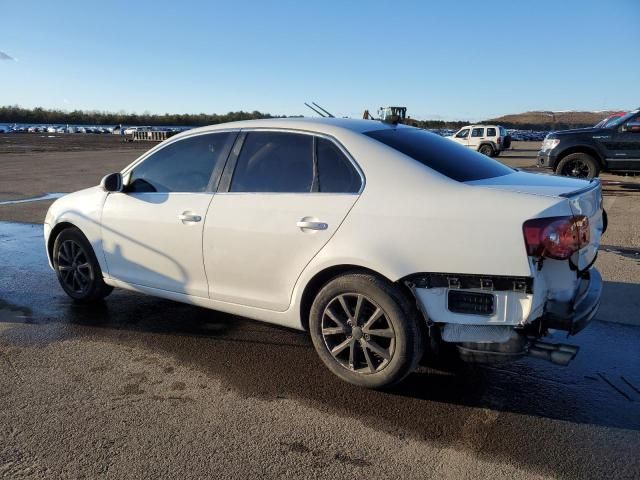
(493, 317)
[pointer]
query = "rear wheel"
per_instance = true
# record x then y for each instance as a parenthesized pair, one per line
(77, 268)
(580, 165)
(486, 150)
(365, 331)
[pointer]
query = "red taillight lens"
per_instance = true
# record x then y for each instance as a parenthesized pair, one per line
(556, 237)
(499, 140)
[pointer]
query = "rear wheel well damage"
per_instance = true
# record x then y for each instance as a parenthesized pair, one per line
(323, 277)
(578, 149)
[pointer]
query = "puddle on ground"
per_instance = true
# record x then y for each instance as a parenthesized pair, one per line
(46, 196)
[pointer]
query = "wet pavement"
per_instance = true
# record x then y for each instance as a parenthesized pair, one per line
(525, 418)
(39, 198)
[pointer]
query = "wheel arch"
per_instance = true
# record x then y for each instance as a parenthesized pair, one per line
(55, 231)
(321, 278)
(578, 149)
(489, 143)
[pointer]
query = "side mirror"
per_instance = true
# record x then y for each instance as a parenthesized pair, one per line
(112, 182)
(633, 126)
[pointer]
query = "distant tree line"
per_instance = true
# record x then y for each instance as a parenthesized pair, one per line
(437, 124)
(16, 114)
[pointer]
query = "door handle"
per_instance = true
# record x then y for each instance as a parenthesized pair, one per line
(307, 225)
(186, 217)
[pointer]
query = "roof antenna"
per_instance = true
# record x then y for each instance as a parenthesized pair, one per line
(330, 115)
(319, 113)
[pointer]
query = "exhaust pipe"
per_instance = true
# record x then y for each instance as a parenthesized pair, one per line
(558, 353)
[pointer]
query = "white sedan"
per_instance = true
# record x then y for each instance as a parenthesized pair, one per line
(380, 240)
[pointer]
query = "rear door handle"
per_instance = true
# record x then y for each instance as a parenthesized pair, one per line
(312, 225)
(186, 217)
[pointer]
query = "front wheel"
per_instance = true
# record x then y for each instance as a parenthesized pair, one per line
(365, 330)
(578, 165)
(77, 268)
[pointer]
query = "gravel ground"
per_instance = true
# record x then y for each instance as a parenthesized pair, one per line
(140, 387)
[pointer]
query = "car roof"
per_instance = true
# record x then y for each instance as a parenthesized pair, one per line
(328, 126)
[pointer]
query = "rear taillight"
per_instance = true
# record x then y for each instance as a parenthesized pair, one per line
(556, 237)
(499, 140)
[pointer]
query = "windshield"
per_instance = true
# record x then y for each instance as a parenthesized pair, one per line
(614, 122)
(441, 154)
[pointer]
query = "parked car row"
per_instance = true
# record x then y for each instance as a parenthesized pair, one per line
(54, 129)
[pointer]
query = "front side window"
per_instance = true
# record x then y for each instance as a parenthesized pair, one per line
(616, 122)
(277, 162)
(182, 166)
(477, 132)
(336, 174)
(444, 156)
(491, 132)
(464, 133)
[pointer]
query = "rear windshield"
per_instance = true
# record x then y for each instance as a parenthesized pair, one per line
(441, 154)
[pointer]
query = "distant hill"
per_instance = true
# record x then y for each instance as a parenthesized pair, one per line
(548, 120)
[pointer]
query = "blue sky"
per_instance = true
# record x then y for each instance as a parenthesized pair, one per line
(452, 60)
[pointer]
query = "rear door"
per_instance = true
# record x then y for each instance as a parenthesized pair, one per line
(282, 197)
(476, 137)
(152, 232)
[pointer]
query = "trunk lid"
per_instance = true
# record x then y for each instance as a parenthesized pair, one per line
(532, 183)
(584, 197)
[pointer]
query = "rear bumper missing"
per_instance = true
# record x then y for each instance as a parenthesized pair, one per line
(498, 338)
(575, 315)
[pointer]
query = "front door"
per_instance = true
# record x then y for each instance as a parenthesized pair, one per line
(288, 195)
(462, 137)
(152, 232)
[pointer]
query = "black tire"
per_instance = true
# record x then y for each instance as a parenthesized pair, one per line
(370, 360)
(486, 149)
(77, 268)
(579, 165)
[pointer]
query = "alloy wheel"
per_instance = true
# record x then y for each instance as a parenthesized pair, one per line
(358, 333)
(576, 168)
(74, 267)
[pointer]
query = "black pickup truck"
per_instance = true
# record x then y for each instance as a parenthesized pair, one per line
(585, 152)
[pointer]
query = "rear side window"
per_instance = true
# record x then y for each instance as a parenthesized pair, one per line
(336, 174)
(440, 154)
(275, 162)
(503, 131)
(477, 132)
(182, 166)
(491, 132)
